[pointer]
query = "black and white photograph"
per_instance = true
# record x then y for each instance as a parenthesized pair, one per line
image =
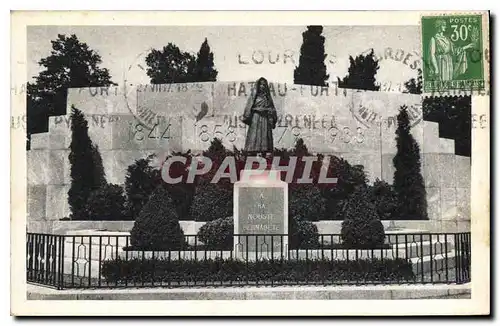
(252, 161)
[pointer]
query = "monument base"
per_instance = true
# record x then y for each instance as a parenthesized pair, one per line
(260, 215)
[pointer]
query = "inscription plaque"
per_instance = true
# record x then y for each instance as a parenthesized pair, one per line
(261, 210)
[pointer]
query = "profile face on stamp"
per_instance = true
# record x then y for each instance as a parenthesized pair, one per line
(452, 52)
(260, 116)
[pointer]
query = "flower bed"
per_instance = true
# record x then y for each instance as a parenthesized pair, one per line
(280, 271)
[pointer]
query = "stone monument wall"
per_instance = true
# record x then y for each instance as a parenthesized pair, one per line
(130, 123)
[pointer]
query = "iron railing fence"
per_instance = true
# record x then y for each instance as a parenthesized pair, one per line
(93, 261)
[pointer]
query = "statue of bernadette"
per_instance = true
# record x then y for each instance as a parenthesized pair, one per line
(260, 116)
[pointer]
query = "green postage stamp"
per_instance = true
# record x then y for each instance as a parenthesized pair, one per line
(452, 53)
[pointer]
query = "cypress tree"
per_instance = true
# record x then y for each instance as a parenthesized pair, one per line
(204, 70)
(362, 71)
(86, 174)
(312, 69)
(99, 174)
(408, 181)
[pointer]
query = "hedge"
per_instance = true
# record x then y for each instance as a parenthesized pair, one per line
(219, 234)
(229, 270)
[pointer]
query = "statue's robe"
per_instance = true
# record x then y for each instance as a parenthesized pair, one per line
(260, 116)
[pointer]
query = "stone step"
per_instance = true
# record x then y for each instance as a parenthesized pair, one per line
(439, 262)
(424, 248)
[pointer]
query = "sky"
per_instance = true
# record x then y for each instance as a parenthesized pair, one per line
(123, 49)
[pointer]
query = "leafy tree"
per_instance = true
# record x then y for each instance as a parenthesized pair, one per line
(140, 182)
(170, 65)
(86, 172)
(414, 86)
(362, 71)
(106, 203)
(157, 226)
(311, 69)
(71, 64)
(205, 71)
(408, 181)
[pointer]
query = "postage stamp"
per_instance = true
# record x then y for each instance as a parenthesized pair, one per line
(452, 52)
(254, 157)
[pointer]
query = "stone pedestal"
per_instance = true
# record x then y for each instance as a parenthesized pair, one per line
(260, 216)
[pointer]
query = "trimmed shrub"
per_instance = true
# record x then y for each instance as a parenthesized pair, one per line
(140, 182)
(106, 203)
(211, 201)
(302, 234)
(362, 227)
(239, 272)
(157, 226)
(350, 178)
(306, 200)
(218, 234)
(384, 198)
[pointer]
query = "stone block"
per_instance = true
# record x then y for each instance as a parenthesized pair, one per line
(446, 145)
(60, 132)
(446, 169)
(36, 201)
(448, 226)
(463, 204)
(59, 168)
(370, 161)
(379, 110)
(431, 169)
(433, 195)
(431, 137)
(102, 100)
(227, 128)
(462, 171)
(57, 202)
(463, 226)
(40, 141)
(130, 134)
(116, 163)
(173, 100)
(420, 292)
(449, 204)
(387, 168)
(38, 166)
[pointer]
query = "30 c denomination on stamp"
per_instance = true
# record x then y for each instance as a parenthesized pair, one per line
(452, 52)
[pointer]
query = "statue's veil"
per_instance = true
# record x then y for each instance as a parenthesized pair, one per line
(247, 114)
